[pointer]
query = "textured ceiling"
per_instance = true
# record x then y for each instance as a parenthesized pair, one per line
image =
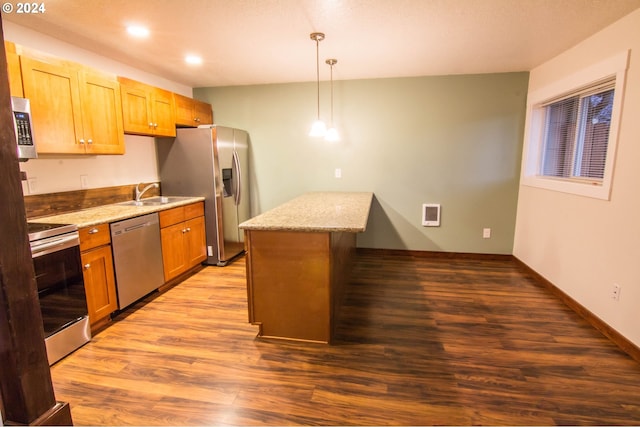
(267, 41)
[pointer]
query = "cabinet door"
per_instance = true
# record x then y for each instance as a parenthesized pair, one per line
(99, 283)
(191, 112)
(136, 111)
(164, 123)
(174, 256)
(55, 105)
(13, 69)
(203, 113)
(196, 241)
(102, 113)
(184, 110)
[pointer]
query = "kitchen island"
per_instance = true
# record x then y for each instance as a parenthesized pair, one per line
(299, 256)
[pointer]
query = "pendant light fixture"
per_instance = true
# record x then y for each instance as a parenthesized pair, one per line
(332, 132)
(318, 129)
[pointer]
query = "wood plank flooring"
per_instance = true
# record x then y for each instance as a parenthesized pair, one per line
(421, 341)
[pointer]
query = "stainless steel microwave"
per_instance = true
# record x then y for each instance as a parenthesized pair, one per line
(22, 126)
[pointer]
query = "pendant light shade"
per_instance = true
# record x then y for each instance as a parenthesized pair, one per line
(332, 133)
(318, 129)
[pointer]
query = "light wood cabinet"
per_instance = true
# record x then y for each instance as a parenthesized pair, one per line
(101, 113)
(98, 273)
(191, 112)
(147, 110)
(75, 110)
(182, 232)
(13, 69)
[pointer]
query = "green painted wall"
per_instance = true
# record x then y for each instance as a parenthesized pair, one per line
(453, 140)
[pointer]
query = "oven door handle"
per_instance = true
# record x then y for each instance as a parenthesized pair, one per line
(54, 245)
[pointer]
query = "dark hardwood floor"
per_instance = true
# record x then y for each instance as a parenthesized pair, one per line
(421, 341)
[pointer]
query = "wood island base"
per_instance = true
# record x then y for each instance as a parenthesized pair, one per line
(295, 282)
(299, 258)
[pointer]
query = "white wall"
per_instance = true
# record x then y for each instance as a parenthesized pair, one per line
(585, 245)
(54, 173)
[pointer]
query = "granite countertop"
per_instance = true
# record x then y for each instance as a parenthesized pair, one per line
(111, 213)
(317, 212)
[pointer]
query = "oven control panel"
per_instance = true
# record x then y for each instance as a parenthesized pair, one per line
(23, 129)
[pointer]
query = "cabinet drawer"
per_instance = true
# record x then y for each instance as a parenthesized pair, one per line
(92, 237)
(193, 211)
(171, 216)
(181, 214)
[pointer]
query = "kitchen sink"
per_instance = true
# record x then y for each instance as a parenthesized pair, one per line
(154, 201)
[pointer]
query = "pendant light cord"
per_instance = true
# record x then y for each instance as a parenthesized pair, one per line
(331, 95)
(318, 74)
(331, 62)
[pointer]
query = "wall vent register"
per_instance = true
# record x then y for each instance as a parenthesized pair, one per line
(431, 214)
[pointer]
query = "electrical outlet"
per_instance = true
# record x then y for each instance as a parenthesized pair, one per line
(486, 233)
(615, 294)
(84, 182)
(32, 183)
(338, 173)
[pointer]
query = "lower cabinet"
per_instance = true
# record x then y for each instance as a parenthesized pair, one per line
(183, 247)
(182, 232)
(98, 273)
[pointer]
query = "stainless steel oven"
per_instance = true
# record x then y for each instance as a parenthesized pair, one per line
(55, 249)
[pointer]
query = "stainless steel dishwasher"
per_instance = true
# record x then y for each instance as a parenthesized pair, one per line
(137, 257)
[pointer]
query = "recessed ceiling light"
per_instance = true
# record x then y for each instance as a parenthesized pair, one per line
(193, 59)
(138, 31)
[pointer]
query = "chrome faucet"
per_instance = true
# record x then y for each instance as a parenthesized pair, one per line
(140, 193)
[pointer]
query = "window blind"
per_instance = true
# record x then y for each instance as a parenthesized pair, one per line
(577, 133)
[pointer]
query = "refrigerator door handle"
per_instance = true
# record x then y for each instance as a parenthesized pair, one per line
(237, 174)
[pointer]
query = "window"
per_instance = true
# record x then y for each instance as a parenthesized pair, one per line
(576, 135)
(572, 130)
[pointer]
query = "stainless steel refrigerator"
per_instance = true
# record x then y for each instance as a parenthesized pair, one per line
(213, 162)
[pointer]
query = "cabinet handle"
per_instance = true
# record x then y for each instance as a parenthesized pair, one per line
(87, 266)
(150, 124)
(188, 229)
(81, 141)
(197, 120)
(93, 231)
(89, 141)
(155, 126)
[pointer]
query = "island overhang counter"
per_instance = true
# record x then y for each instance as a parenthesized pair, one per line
(299, 256)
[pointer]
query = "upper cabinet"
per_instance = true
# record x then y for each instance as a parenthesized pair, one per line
(147, 110)
(75, 110)
(78, 110)
(101, 112)
(191, 112)
(13, 69)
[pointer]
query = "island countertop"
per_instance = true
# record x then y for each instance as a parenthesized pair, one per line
(317, 212)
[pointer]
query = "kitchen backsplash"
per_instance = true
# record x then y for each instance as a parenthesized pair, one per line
(68, 201)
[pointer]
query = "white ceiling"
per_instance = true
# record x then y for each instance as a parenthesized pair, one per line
(267, 41)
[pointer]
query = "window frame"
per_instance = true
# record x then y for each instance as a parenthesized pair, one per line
(612, 68)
